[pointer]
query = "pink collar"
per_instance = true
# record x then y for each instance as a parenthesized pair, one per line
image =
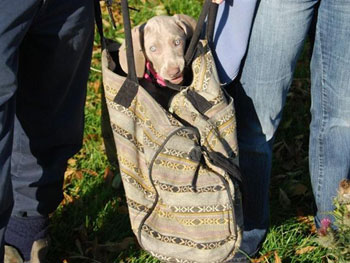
(150, 71)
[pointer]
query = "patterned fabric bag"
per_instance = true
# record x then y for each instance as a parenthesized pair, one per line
(180, 181)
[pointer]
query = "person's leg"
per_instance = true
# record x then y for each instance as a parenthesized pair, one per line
(6, 136)
(330, 126)
(278, 33)
(54, 64)
(14, 22)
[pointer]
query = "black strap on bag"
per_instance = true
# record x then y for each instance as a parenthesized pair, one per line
(98, 20)
(128, 90)
(106, 129)
(208, 10)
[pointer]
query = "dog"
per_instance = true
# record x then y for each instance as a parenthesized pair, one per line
(159, 49)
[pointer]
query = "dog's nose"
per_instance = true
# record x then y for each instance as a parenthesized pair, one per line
(173, 71)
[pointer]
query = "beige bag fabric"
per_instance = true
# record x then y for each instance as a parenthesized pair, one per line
(177, 165)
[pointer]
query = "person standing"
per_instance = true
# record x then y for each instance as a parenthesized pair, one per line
(279, 30)
(45, 55)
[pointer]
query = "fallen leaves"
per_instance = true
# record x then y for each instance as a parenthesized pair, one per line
(277, 258)
(70, 174)
(308, 220)
(90, 172)
(262, 258)
(108, 175)
(96, 85)
(305, 250)
(265, 257)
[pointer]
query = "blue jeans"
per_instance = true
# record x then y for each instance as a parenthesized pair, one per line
(45, 53)
(278, 33)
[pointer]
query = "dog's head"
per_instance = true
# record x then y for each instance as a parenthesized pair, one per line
(161, 41)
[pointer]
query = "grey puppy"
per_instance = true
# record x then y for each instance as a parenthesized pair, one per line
(161, 43)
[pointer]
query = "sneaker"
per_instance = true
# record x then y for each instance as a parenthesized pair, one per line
(12, 255)
(37, 255)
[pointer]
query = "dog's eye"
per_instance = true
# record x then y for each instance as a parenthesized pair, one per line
(153, 49)
(177, 42)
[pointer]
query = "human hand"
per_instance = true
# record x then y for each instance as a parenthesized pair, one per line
(217, 1)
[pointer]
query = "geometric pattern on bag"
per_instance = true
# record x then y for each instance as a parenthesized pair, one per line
(177, 165)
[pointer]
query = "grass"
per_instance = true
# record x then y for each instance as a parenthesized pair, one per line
(92, 223)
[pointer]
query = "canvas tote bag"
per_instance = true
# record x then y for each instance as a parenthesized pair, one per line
(181, 183)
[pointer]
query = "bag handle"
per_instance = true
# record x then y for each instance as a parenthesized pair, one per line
(213, 10)
(98, 20)
(128, 41)
(127, 28)
(209, 9)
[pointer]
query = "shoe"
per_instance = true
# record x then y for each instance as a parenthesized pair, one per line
(37, 254)
(12, 255)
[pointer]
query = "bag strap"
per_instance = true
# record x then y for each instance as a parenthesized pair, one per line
(213, 10)
(98, 20)
(130, 87)
(209, 10)
(106, 129)
(128, 41)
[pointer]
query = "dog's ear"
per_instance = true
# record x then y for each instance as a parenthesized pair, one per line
(139, 57)
(187, 23)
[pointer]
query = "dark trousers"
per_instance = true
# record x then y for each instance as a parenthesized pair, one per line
(45, 54)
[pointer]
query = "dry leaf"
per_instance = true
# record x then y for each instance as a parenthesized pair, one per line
(88, 171)
(68, 175)
(72, 162)
(105, 22)
(277, 258)
(89, 137)
(305, 250)
(304, 219)
(78, 175)
(69, 172)
(108, 175)
(308, 220)
(313, 229)
(96, 86)
(95, 61)
(68, 198)
(262, 258)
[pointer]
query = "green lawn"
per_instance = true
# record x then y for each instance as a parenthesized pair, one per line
(92, 224)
